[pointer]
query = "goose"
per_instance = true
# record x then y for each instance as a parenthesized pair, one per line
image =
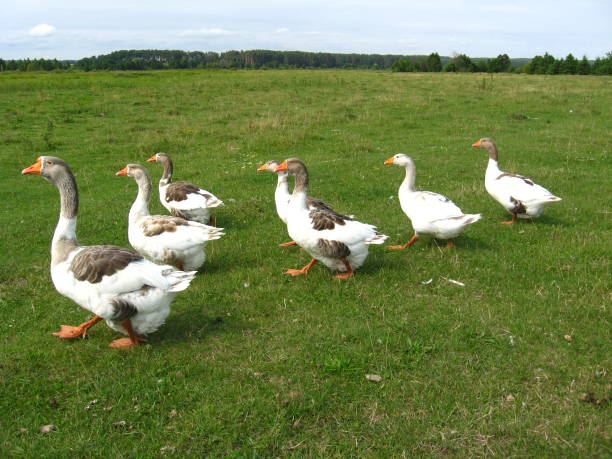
(519, 195)
(184, 199)
(118, 285)
(430, 213)
(164, 238)
(338, 241)
(282, 195)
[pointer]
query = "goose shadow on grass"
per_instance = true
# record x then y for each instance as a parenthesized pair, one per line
(183, 325)
(542, 220)
(462, 243)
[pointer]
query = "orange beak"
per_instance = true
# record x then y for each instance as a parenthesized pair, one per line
(391, 160)
(152, 159)
(476, 144)
(282, 167)
(34, 168)
(123, 171)
(262, 168)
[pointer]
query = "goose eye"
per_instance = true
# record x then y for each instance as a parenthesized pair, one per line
(49, 162)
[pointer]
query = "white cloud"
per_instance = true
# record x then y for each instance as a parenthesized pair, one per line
(204, 31)
(42, 30)
(282, 30)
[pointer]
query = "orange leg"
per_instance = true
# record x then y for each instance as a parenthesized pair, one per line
(514, 219)
(212, 221)
(406, 245)
(349, 270)
(132, 341)
(304, 270)
(180, 266)
(68, 332)
(288, 244)
(450, 244)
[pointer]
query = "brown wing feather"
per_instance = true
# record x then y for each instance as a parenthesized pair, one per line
(178, 191)
(327, 220)
(333, 249)
(158, 224)
(94, 262)
(317, 204)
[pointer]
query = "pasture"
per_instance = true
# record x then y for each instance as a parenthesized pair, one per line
(514, 363)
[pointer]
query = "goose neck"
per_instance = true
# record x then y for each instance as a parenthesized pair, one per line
(64, 237)
(410, 178)
(140, 207)
(168, 169)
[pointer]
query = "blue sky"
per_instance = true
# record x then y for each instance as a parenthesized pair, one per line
(71, 29)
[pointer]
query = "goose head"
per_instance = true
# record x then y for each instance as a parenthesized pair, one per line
(269, 166)
(158, 158)
(136, 171)
(292, 165)
(400, 159)
(488, 144)
(49, 167)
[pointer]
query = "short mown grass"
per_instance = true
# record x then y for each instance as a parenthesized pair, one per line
(252, 362)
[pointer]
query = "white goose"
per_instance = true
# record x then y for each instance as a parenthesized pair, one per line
(282, 195)
(184, 199)
(519, 195)
(430, 213)
(164, 238)
(336, 240)
(118, 285)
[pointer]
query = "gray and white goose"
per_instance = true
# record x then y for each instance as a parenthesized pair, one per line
(338, 241)
(282, 195)
(164, 238)
(519, 195)
(118, 285)
(184, 199)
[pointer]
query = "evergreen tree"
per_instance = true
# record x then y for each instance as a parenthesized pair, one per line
(569, 65)
(584, 67)
(433, 63)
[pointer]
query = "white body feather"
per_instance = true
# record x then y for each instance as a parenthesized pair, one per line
(196, 207)
(508, 187)
(152, 304)
(355, 235)
(430, 213)
(434, 214)
(185, 245)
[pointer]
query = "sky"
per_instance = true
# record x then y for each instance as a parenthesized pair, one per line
(73, 29)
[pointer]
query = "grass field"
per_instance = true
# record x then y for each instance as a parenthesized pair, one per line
(254, 363)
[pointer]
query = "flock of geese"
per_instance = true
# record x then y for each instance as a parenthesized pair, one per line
(132, 290)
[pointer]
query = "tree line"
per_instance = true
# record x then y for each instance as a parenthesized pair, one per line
(264, 59)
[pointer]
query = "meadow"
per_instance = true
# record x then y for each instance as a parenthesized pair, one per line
(253, 363)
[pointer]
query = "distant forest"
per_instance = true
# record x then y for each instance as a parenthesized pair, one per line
(264, 59)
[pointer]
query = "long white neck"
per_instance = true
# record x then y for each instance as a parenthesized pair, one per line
(410, 179)
(282, 182)
(282, 195)
(492, 170)
(140, 207)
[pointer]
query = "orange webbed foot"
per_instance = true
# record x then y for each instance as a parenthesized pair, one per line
(287, 244)
(70, 332)
(508, 223)
(345, 275)
(123, 343)
(295, 272)
(397, 247)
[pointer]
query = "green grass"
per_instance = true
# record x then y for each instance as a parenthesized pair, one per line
(254, 363)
